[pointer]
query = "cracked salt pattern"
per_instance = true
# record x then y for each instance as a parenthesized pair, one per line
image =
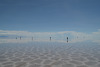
(43, 54)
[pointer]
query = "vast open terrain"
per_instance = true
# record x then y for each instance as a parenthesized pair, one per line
(49, 54)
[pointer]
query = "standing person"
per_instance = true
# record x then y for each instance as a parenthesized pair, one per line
(77, 37)
(32, 38)
(67, 39)
(16, 37)
(20, 38)
(50, 38)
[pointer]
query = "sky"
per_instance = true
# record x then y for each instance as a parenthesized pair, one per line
(50, 15)
(55, 18)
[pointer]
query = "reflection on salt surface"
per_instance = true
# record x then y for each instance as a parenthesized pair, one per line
(28, 53)
(27, 40)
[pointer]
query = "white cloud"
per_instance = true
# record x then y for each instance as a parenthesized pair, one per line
(18, 33)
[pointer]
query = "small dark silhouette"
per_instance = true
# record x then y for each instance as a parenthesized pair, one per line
(32, 38)
(16, 37)
(67, 39)
(20, 38)
(50, 38)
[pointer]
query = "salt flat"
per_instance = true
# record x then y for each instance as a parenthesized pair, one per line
(49, 54)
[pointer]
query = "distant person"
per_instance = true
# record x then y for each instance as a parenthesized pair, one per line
(16, 37)
(32, 38)
(50, 38)
(67, 39)
(20, 38)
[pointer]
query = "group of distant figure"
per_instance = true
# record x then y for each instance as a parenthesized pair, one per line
(50, 39)
(20, 38)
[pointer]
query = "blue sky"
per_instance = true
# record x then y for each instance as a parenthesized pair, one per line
(50, 15)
